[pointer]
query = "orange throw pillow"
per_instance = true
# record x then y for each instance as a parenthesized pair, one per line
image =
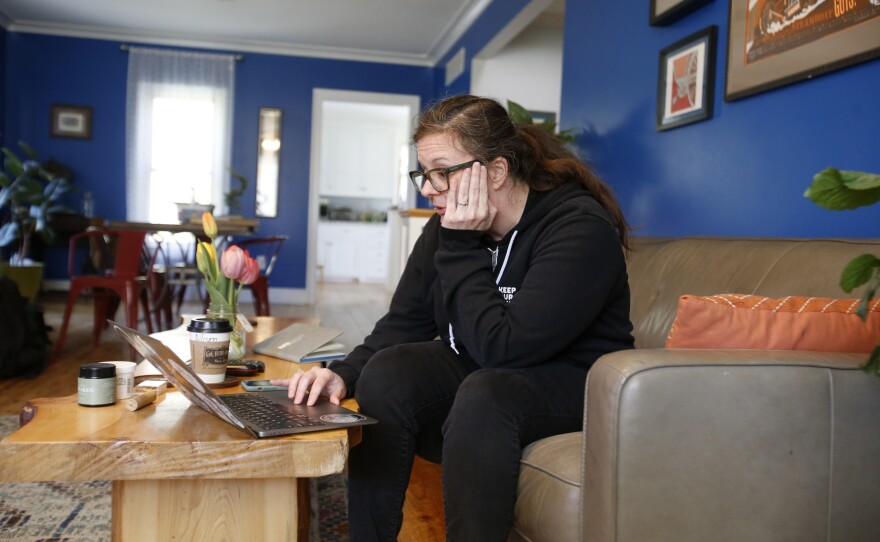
(790, 323)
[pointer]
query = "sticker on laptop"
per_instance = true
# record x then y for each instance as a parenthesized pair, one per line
(342, 418)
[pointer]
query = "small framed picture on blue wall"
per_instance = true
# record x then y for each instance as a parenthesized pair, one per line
(74, 121)
(686, 84)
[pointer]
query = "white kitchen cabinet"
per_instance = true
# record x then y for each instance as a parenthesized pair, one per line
(353, 251)
(359, 162)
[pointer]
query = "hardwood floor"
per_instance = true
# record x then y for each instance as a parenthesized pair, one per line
(351, 307)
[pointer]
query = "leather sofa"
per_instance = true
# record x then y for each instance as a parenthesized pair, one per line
(715, 445)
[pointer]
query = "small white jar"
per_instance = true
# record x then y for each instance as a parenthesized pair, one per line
(124, 378)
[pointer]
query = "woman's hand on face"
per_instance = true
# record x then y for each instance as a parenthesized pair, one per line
(314, 383)
(467, 205)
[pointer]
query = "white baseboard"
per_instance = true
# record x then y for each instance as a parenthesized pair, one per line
(56, 285)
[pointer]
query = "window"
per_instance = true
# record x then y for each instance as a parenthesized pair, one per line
(178, 133)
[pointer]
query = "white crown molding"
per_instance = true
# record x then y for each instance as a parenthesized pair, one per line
(462, 21)
(450, 35)
(177, 40)
(529, 14)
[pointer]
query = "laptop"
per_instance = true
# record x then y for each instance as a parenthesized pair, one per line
(303, 343)
(260, 414)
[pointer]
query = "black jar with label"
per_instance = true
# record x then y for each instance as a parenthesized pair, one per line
(96, 385)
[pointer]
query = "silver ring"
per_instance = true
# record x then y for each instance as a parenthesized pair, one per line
(463, 204)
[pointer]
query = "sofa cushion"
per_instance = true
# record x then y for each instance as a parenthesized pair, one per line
(758, 322)
(549, 493)
(661, 270)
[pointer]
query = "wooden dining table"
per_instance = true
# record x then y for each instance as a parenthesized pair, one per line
(239, 227)
(179, 472)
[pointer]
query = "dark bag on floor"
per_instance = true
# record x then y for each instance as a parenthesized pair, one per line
(23, 336)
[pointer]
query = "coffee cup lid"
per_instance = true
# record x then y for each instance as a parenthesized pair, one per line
(210, 325)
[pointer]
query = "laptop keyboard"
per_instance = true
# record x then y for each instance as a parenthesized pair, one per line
(266, 413)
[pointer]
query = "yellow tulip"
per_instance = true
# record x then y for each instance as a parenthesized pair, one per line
(202, 261)
(209, 224)
(206, 260)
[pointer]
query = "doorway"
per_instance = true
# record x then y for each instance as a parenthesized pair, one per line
(360, 156)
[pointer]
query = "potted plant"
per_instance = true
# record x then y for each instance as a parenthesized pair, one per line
(233, 197)
(29, 196)
(521, 115)
(846, 190)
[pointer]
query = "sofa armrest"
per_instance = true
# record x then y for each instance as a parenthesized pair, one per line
(730, 445)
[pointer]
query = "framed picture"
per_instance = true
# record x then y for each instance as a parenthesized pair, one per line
(664, 12)
(772, 43)
(71, 121)
(685, 87)
(540, 117)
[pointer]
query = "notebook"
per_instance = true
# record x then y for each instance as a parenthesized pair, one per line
(260, 414)
(303, 343)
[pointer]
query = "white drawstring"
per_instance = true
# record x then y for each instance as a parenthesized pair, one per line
(506, 256)
(452, 339)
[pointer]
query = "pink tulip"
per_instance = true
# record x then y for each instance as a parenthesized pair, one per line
(233, 262)
(251, 271)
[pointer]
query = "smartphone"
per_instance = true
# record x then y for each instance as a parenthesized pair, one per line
(260, 385)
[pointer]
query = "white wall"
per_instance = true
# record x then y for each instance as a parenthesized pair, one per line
(528, 70)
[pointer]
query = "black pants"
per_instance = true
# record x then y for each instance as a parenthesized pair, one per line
(431, 402)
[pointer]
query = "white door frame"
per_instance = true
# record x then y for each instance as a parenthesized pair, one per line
(319, 96)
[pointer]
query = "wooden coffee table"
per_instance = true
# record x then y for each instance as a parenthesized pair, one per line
(178, 472)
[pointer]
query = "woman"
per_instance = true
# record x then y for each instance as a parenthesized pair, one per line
(521, 274)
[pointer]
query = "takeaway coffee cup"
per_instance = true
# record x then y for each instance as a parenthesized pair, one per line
(209, 345)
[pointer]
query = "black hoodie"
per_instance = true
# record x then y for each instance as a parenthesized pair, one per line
(555, 291)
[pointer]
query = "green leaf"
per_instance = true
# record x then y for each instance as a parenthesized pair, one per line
(872, 365)
(213, 291)
(844, 190)
(868, 296)
(858, 271)
(518, 113)
(48, 234)
(28, 150)
(8, 233)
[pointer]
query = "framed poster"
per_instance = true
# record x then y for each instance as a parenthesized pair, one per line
(71, 121)
(685, 86)
(772, 43)
(664, 12)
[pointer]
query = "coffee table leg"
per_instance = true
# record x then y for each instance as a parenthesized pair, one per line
(195, 509)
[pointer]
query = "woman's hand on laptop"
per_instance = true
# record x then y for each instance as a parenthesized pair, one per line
(314, 383)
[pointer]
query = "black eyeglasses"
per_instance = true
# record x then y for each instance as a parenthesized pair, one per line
(438, 177)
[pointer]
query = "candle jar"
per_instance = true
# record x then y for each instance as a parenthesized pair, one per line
(96, 385)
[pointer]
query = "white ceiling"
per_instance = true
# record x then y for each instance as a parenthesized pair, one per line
(417, 32)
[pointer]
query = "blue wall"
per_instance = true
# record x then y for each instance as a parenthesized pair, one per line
(2, 86)
(742, 172)
(43, 70)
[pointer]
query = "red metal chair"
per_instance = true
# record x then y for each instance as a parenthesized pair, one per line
(113, 276)
(265, 250)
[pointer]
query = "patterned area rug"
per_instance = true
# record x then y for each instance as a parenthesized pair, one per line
(80, 511)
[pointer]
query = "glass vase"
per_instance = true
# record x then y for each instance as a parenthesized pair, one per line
(238, 337)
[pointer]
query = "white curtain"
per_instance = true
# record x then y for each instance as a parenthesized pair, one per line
(154, 75)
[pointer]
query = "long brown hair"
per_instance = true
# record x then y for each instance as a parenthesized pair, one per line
(484, 129)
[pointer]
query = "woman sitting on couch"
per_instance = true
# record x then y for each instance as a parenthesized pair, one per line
(521, 274)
